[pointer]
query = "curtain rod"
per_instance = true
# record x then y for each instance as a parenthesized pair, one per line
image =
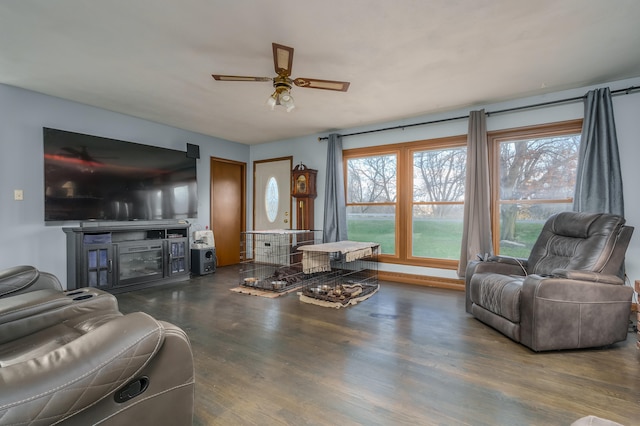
(488, 113)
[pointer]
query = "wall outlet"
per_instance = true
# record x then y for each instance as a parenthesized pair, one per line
(18, 195)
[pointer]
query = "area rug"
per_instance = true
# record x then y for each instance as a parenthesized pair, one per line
(264, 293)
(337, 305)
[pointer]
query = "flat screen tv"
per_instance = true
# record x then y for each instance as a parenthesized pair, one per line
(94, 178)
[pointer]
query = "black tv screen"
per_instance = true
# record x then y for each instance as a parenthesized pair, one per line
(93, 178)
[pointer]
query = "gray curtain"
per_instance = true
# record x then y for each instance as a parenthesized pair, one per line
(335, 210)
(599, 179)
(476, 231)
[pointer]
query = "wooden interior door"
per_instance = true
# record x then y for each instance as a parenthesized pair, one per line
(228, 212)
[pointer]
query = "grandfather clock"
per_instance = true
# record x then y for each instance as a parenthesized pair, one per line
(303, 188)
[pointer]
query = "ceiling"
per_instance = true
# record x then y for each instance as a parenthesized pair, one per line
(153, 59)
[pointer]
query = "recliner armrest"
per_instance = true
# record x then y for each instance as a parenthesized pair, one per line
(523, 263)
(31, 304)
(587, 276)
(560, 313)
(75, 376)
(27, 313)
(498, 265)
(493, 265)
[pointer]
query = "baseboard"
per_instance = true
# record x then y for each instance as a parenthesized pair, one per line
(423, 280)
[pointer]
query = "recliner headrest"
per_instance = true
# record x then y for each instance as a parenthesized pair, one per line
(16, 278)
(575, 241)
(579, 225)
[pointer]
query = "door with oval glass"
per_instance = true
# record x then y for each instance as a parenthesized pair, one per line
(272, 194)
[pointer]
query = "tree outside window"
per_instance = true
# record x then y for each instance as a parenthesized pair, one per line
(409, 198)
(371, 200)
(536, 171)
(438, 202)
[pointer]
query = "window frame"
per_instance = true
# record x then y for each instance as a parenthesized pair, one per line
(494, 139)
(404, 182)
(404, 198)
(375, 152)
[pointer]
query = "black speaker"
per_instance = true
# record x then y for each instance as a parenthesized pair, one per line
(203, 261)
(193, 151)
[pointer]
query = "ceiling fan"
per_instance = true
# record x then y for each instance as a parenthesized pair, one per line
(283, 61)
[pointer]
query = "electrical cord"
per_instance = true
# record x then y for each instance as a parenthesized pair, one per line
(486, 257)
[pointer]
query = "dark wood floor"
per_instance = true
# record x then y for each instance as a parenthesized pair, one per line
(409, 355)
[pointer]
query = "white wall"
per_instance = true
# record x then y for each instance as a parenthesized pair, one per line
(25, 237)
(627, 113)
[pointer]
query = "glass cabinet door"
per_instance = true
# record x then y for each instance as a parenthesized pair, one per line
(99, 266)
(178, 261)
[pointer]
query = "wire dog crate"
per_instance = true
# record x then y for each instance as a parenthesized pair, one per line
(340, 273)
(270, 259)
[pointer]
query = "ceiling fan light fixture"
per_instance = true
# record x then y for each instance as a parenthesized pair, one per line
(272, 100)
(286, 100)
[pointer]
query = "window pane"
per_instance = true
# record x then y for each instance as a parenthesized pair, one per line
(372, 179)
(271, 199)
(92, 261)
(539, 168)
(104, 257)
(437, 231)
(536, 169)
(439, 174)
(520, 225)
(93, 279)
(373, 224)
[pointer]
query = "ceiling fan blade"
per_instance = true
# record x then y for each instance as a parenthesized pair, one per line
(314, 83)
(282, 59)
(239, 78)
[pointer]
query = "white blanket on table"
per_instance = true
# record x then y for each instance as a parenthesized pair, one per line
(316, 257)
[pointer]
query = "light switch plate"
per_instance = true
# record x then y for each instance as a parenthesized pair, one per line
(18, 195)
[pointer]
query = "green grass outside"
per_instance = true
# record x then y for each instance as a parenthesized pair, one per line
(436, 238)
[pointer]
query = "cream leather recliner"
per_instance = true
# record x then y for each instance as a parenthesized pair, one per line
(71, 358)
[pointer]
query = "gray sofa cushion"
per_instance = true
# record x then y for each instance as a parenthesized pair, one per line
(578, 241)
(498, 293)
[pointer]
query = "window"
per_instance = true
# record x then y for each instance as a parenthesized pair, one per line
(409, 198)
(372, 199)
(437, 205)
(271, 199)
(533, 177)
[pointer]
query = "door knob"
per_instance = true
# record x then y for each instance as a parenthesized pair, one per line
(286, 221)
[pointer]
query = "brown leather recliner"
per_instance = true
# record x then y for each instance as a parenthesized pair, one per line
(570, 293)
(71, 358)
